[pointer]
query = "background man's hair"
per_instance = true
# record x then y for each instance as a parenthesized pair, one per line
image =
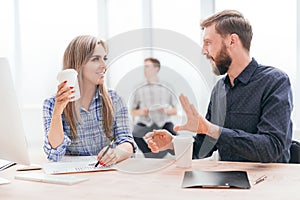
(155, 61)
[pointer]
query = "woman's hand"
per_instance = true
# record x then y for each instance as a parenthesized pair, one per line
(113, 156)
(64, 95)
(56, 134)
(110, 158)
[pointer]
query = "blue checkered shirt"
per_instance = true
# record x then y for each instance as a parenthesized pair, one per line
(91, 135)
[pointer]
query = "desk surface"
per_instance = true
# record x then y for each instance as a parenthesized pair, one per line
(283, 182)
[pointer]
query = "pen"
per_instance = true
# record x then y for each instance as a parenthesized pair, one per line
(260, 179)
(106, 150)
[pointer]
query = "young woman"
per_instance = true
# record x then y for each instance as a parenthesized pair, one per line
(84, 127)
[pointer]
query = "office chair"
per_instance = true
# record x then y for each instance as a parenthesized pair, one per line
(295, 152)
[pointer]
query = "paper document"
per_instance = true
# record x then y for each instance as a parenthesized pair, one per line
(45, 178)
(73, 167)
(4, 181)
(79, 159)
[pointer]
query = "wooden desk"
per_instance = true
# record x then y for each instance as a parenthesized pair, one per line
(283, 182)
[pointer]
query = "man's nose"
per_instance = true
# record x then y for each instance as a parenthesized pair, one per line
(204, 51)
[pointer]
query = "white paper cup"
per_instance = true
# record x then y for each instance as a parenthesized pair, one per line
(183, 146)
(70, 75)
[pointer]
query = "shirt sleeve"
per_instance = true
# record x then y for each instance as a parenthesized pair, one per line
(204, 145)
(57, 153)
(273, 136)
(269, 143)
(121, 127)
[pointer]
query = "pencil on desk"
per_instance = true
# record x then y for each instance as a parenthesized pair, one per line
(260, 179)
(106, 150)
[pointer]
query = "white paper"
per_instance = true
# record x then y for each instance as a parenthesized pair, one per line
(4, 181)
(45, 178)
(73, 167)
(79, 159)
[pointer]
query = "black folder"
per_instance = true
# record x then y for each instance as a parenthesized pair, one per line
(216, 179)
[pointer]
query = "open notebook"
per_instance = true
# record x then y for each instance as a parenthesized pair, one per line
(76, 164)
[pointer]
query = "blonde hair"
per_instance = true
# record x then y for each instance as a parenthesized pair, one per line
(77, 54)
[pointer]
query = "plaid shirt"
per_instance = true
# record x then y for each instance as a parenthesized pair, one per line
(91, 135)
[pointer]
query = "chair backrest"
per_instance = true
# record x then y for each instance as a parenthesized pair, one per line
(295, 152)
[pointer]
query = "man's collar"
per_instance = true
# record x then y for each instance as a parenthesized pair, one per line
(246, 74)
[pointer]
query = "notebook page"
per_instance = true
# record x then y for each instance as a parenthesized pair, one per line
(79, 159)
(73, 167)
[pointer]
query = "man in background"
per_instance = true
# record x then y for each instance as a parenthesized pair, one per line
(153, 104)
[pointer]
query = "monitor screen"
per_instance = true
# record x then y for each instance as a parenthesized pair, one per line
(13, 145)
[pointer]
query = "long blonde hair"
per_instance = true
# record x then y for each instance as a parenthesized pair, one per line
(77, 54)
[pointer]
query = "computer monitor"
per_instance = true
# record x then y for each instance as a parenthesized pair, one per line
(13, 145)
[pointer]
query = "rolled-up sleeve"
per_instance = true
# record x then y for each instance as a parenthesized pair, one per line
(53, 154)
(121, 127)
(57, 153)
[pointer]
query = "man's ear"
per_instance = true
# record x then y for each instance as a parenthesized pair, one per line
(157, 69)
(234, 39)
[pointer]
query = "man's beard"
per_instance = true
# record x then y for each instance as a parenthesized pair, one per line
(222, 61)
